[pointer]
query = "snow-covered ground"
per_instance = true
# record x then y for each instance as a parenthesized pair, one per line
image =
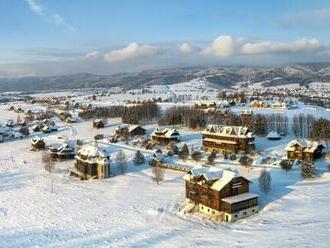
(131, 210)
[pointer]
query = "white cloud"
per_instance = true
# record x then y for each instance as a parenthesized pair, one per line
(302, 45)
(132, 51)
(223, 46)
(92, 55)
(55, 18)
(185, 48)
(226, 45)
(36, 8)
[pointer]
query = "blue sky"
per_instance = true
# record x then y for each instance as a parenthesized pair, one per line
(46, 37)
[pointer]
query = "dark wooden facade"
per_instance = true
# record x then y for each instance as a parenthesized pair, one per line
(164, 140)
(87, 170)
(227, 144)
(303, 154)
(165, 136)
(201, 193)
(39, 144)
(98, 124)
(138, 130)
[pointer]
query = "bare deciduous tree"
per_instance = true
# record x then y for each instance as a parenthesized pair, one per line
(47, 161)
(49, 165)
(121, 160)
(265, 181)
(158, 173)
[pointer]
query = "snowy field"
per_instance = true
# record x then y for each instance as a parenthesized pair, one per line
(131, 210)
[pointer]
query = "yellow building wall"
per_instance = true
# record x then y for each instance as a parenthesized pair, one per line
(241, 214)
(227, 216)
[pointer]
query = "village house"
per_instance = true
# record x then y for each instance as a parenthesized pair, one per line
(304, 150)
(273, 135)
(258, 104)
(38, 143)
(62, 151)
(93, 161)
(223, 194)
(130, 130)
(98, 123)
(246, 113)
(279, 105)
(228, 139)
(165, 135)
(204, 105)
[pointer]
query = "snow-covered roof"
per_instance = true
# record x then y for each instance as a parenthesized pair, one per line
(306, 145)
(167, 132)
(246, 112)
(239, 198)
(220, 176)
(226, 177)
(36, 139)
(130, 127)
(237, 131)
(273, 135)
(94, 154)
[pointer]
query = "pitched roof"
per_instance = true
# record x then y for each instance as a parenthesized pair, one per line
(273, 134)
(307, 145)
(229, 130)
(220, 176)
(239, 198)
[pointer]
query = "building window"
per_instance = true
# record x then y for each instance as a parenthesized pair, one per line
(244, 213)
(208, 210)
(236, 216)
(252, 210)
(202, 207)
(213, 212)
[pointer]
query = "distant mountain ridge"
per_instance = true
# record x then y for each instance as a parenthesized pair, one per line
(223, 76)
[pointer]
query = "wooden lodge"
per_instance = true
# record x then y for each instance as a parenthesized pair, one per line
(304, 150)
(98, 123)
(61, 151)
(204, 105)
(166, 135)
(93, 162)
(258, 104)
(38, 143)
(130, 130)
(228, 139)
(246, 113)
(220, 193)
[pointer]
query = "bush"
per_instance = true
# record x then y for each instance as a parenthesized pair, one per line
(286, 165)
(196, 155)
(98, 136)
(138, 158)
(173, 147)
(232, 156)
(211, 157)
(184, 153)
(308, 170)
(24, 130)
(245, 160)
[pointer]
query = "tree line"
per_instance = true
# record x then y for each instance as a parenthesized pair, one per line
(198, 119)
(136, 114)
